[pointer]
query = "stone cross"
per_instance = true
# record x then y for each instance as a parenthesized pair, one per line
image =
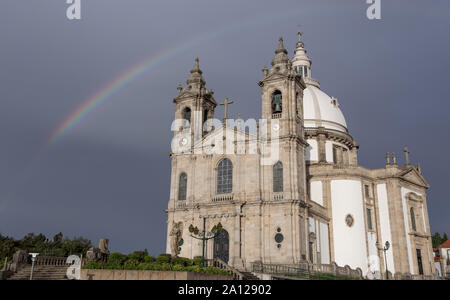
(225, 104)
(406, 155)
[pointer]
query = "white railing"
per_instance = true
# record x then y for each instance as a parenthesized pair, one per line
(276, 116)
(222, 198)
(278, 196)
(181, 204)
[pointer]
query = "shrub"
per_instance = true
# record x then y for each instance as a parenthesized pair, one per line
(163, 258)
(138, 255)
(181, 261)
(178, 268)
(116, 259)
(131, 264)
(197, 261)
(93, 265)
(149, 259)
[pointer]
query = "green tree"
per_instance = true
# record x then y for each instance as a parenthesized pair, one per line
(436, 240)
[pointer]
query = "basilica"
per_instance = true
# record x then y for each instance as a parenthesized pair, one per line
(292, 190)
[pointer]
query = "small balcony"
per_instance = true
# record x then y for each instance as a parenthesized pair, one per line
(276, 115)
(278, 196)
(223, 198)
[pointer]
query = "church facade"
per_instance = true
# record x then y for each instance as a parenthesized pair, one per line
(291, 190)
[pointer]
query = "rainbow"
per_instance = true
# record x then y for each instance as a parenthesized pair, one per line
(101, 96)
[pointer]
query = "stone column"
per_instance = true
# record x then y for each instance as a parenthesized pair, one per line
(321, 145)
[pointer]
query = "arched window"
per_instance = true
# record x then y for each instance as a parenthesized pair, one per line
(205, 115)
(413, 219)
(278, 177)
(225, 177)
(277, 102)
(182, 186)
(187, 116)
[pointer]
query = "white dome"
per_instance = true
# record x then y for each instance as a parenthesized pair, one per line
(320, 110)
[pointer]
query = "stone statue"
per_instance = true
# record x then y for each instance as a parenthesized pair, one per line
(176, 233)
(99, 254)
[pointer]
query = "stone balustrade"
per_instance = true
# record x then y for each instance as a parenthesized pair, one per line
(222, 198)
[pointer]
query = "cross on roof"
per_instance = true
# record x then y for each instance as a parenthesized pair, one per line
(225, 104)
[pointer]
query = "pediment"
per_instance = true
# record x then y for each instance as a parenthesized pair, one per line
(413, 176)
(217, 136)
(188, 95)
(273, 77)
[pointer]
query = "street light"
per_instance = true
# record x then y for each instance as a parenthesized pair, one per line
(385, 248)
(205, 236)
(33, 259)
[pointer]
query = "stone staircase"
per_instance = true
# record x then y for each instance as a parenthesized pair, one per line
(41, 273)
(249, 276)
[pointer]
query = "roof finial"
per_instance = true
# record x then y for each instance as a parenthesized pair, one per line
(196, 66)
(281, 48)
(394, 158)
(280, 44)
(196, 76)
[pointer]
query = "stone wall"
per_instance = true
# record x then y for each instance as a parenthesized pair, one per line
(88, 274)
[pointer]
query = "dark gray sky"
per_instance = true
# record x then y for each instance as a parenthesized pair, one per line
(109, 176)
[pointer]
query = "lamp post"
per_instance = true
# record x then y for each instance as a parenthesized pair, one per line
(385, 248)
(205, 236)
(33, 259)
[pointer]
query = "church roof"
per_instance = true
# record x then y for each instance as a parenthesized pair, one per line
(445, 244)
(320, 110)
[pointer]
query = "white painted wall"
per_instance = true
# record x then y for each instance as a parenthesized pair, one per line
(349, 242)
(316, 192)
(385, 226)
(406, 217)
(324, 243)
(329, 151)
(312, 152)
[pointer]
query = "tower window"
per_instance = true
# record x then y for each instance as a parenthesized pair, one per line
(366, 190)
(187, 116)
(225, 177)
(413, 219)
(205, 115)
(277, 102)
(278, 177)
(369, 219)
(182, 187)
(306, 71)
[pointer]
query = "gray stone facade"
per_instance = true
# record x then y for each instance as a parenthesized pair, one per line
(306, 221)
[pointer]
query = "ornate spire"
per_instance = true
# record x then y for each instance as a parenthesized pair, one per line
(196, 77)
(281, 57)
(300, 58)
(300, 43)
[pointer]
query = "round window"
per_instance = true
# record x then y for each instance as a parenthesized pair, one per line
(279, 238)
(349, 220)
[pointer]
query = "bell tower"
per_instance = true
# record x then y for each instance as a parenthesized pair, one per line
(194, 105)
(282, 95)
(282, 108)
